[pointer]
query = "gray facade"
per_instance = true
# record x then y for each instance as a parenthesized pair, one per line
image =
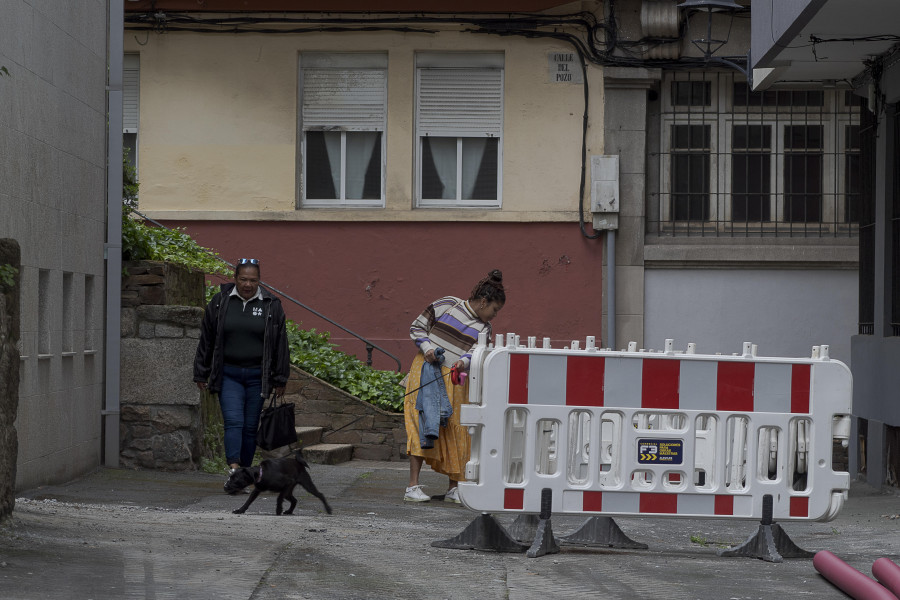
(791, 310)
(873, 73)
(53, 202)
(783, 292)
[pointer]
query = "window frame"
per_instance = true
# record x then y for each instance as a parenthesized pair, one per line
(722, 116)
(434, 63)
(347, 63)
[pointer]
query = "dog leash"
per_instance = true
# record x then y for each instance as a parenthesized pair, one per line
(457, 377)
(435, 380)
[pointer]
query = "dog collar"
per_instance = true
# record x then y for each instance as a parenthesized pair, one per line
(259, 475)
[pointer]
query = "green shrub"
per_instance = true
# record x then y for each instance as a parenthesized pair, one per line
(7, 276)
(141, 241)
(314, 353)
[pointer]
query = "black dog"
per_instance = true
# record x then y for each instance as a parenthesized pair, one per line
(274, 475)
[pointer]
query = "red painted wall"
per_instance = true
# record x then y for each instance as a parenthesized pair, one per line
(374, 278)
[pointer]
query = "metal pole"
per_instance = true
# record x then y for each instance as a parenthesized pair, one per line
(611, 289)
(113, 246)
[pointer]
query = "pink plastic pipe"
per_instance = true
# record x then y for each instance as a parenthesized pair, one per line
(849, 580)
(888, 573)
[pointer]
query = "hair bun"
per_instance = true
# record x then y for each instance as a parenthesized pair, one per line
(490, 288)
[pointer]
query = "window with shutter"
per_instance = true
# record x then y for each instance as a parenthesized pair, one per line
(342, 115)
(459, 129)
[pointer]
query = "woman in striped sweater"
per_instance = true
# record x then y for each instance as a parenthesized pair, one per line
(452, 324)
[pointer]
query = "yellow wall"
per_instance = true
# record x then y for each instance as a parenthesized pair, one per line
(219, 115)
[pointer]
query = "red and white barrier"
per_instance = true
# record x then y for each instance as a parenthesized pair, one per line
(662, 433)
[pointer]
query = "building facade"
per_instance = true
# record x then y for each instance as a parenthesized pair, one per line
(376, 163)
(377, 160)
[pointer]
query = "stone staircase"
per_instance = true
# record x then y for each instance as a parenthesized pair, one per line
(314, 451)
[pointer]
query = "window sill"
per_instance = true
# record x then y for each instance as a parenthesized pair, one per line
(731, 253)
(343, 215)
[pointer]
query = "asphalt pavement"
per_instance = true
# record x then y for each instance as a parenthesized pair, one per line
(122, 534)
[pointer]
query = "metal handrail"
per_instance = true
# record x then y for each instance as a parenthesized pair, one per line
(369, 345)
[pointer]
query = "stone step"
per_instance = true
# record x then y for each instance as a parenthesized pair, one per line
(306, 436)
(309, 435)
(328, 454)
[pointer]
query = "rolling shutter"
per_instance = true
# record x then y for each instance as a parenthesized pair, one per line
(347, 99)
(460, 102)
(131, 76)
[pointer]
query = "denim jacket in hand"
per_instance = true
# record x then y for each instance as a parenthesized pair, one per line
(432, 401)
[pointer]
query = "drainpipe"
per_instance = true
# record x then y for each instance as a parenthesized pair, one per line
(113, 246)
(605, 211)
(611, 289)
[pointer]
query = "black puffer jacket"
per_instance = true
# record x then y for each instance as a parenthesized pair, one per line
(209, 361)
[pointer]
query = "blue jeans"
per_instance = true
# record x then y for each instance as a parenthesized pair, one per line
(241, 405)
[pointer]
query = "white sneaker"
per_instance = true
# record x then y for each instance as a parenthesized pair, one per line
(452, 495)
(415, 494)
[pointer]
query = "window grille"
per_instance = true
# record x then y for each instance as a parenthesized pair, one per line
(734, 162)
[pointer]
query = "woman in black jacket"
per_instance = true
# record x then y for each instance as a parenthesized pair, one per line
(242, 355)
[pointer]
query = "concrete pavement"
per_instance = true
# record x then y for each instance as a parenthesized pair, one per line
(121, 534)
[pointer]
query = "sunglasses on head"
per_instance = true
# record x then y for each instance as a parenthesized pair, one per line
(248, 261)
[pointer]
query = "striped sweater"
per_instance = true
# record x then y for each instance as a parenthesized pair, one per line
(448, 323)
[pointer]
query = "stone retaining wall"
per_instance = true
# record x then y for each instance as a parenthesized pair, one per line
(161, 425)
(151, 282)
(9, 377)
(374, 433)
(161, 417)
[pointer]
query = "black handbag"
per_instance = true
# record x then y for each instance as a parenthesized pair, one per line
(276, 425)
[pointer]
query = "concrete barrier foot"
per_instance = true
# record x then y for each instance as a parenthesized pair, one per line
(524, 528)
(601, 531)
(484, 533)
(544, 542)
(770, 543)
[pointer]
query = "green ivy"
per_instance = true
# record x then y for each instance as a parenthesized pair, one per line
(314, 353)
(8, 276)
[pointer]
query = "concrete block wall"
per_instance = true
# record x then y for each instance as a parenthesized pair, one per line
(53, 202)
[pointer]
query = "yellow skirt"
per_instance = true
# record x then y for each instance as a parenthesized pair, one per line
(451, 449)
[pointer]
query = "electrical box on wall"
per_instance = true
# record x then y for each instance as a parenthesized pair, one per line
(605, 191)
